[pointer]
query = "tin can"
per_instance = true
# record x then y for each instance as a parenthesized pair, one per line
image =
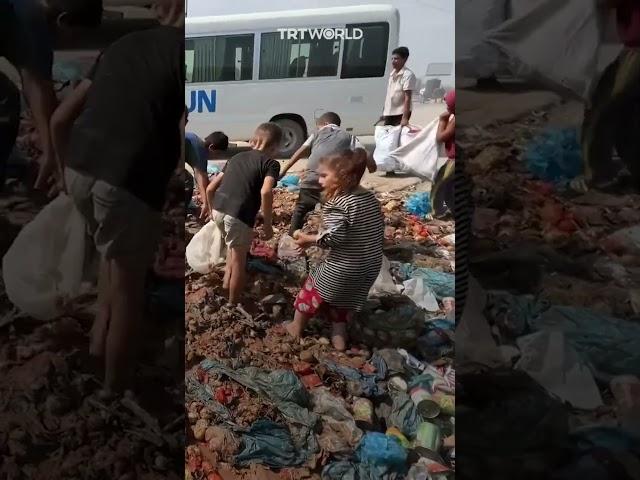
(427, 407)
(395, 432)
(363, 411)
(428, 436)
(447, 403)
(397, 384)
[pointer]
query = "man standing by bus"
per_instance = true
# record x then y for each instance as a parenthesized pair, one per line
(402, 82)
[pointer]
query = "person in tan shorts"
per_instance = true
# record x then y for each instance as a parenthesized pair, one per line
(237, 194)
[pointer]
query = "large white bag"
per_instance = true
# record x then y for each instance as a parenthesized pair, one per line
(43, 270)
(206, 249)
(554, 43)
(387, 139)
(421, 155)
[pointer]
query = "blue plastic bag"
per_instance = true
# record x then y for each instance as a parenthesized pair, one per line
(419, 204)
(379, 449)
(212, 170)
(555, 155)
(442, 284)
(290, 182)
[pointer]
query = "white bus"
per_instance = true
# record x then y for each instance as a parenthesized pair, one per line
(242, 72)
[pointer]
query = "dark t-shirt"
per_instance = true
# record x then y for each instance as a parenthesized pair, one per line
(239, 193)
(25, 39)
(128, 135)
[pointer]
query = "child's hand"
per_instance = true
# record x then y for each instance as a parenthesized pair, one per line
(445, 116)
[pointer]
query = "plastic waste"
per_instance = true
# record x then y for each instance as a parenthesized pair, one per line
(611, 345)
(367, 381)
(422, 295)
(626, 391)
(212, 170)
(282, 387)
(290, 182)
(555, 155)
(43, 269)
(419, 153)
(553, 363)
(404, 415)
(380, 449)
(287, 248)
(442, 284)
(206, 249)
(387, 139)
(270, 444)
(339, 431)
(384, 284)
(353, 470)
(419, 204)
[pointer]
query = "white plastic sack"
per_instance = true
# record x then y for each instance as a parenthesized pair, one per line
(554, 43)
(474, 57)
(206, 249)
(43, 270)
(384, 284)
(421, 155)
(387, 139)
(287, 248)
(550, 360)
(421, 294)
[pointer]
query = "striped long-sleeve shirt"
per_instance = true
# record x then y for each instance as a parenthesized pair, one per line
(354, 232)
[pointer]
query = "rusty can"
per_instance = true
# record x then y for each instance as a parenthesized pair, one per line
(427, 407)
(446, 402)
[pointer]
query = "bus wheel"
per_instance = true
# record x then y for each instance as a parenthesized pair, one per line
(292, 136)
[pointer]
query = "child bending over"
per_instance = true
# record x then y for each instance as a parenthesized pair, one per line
(237, 194)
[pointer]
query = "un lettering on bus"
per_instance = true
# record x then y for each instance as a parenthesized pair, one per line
(202, 101)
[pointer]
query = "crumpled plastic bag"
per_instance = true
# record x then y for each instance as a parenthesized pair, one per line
(43, 269)
(206, 249)
(404, 415)
(418, 204)
(352, 470)
(421, 294)
(290, 182)
(282, 387)
(442, 284)
(611, 345)
(270, 444)
(368, 381)
(553, 363)
(339, 431)
(384, 284)
(287, 248)
(379, 449)
(555, 155)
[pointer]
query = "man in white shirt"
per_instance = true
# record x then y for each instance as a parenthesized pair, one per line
(402, 82)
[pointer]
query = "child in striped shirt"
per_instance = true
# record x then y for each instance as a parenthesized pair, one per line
(354, 233)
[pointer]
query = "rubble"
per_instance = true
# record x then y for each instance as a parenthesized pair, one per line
(349, 397)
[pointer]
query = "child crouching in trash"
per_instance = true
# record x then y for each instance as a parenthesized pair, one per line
(354, 233)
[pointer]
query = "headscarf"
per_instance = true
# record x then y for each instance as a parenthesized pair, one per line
(450, 100)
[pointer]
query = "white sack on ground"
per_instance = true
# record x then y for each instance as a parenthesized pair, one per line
(206, 249)
(387, 139)
(421, 155)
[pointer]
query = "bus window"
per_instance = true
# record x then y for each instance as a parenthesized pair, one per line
(225, 58)
(301, 58)
(366, 57)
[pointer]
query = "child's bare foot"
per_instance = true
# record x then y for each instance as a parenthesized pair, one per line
(339, 336)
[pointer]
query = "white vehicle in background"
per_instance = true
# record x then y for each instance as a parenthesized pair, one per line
(242, 72)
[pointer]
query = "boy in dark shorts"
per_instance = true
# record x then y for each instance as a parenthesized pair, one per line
(330, 139)
(124, 148)
(236, 195)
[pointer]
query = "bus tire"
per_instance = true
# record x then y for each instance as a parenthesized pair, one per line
(292, 136)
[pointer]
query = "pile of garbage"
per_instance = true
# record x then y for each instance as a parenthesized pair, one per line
(553, 310)
(263, 405)
(53, 421)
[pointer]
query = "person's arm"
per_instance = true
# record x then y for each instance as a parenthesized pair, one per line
(202, 180)
(301, 152)
(63, 118)
(406, 108)
(266, 194)
(335, 220)
(212, 188)
(42, 101)
(371, 163)
(446, 130)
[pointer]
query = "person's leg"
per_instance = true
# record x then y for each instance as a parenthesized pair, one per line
(237, 274)
(98, 336)
(127, 314)
(227, 271)
(9, 122)
(307, 200)
(339, 319)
